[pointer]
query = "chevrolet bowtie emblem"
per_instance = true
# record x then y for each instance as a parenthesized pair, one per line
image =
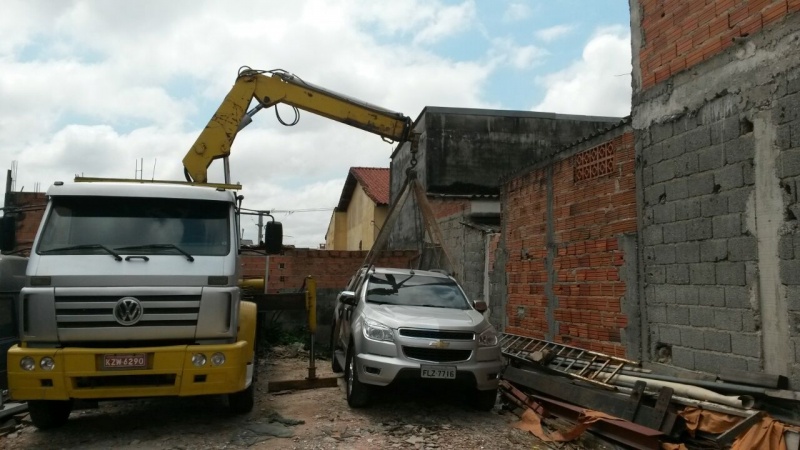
(439, 344)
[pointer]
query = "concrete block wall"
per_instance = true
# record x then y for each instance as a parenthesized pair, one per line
(569, 277)
(679, 34)
(719, 162)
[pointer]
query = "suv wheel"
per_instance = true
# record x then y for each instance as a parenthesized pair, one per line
(47, 414)
(356, 391)
(484, 400)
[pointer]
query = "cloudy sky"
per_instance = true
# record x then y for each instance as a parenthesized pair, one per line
(103, 88)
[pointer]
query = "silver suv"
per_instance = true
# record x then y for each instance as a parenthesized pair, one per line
(392, 324)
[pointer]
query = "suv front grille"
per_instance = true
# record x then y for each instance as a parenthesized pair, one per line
(436, 355)
(438, 334)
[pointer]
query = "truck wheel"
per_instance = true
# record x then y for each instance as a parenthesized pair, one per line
(484, 400)
(47, 414)
(357, 392)
(242, 402)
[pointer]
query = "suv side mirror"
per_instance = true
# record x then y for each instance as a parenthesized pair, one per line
(348, 298)
(273, 238)
(8, 233)
(480, 306)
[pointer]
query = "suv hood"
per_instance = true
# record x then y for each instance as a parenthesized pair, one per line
(395, 316)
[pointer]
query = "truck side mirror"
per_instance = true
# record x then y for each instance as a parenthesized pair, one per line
(273, 238)
(8, 233)
(480, 306)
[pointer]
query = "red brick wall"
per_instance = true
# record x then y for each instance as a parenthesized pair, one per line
(588, 217)
(29, 209)
(678, 34)
(446, 207)
(330, 268)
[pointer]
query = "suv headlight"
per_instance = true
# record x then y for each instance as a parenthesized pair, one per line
(488, 338)
(377, 331)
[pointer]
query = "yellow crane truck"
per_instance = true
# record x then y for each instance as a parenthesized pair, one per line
(131, 287)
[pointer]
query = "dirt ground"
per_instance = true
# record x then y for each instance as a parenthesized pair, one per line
(411, 417)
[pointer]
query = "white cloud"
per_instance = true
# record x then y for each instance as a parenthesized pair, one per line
(552, 33)
(516, 12)
(504, 51)
(597, 84)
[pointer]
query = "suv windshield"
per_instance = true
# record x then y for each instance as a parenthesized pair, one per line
(134, 225)
(415, 290)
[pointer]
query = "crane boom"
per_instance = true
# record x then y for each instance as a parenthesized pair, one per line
(271, 88)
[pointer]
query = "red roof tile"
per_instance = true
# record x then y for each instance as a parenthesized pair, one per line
(374, 181)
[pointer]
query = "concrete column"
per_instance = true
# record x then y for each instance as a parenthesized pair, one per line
(769, 218)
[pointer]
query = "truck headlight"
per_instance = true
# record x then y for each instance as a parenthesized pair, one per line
(27, 363)
(217, 359)
(488, 338)
(377, 331)
(47, 363)
(199, 360)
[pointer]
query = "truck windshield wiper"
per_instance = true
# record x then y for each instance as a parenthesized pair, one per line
(83, 247)
(189, 257)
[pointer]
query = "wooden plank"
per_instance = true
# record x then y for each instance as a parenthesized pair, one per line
(767, 380)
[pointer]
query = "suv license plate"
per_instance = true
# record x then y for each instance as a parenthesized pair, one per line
(125, 361)
(440, 372)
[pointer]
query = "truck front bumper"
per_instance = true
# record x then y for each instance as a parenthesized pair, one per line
(80, 372)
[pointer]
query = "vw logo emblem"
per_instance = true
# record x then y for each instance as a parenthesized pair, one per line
(128, 311)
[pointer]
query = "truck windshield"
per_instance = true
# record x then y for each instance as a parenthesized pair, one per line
(415, 290)
(133, 225)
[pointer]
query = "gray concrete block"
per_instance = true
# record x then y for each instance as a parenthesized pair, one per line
(737, 297)
(751, 322)
(655, 274)
(730, 273)
(783, 136)
(664, 213)
(717, 132)
(687, 252)
(692, 337)
(714, 205)
(711, 295)
(660, 131)
(675, 232)
(699, 229)
(790, 271)
(730, 128)
(727, 226)
(729, 177)
(748, 173)
(712, 362)
(686, 295)
(683, 357)
(788, 163)
(717, 341)
(677, 315)
(751, 273)
(676, 189)
(701, 317)
(664, 254)
(653, 195)
(653, 154)
(740, 149)
(668, 334)
(713, 249)
(664, 171)
(727, 319)
(702, 273)
(657, 314)
(697, 139)
(793, 297)
(743, 248)
(687, 164)
(700, 184)
(674, 147)
(737, 199)
(786, 247)
(647, 176)
(710, 158)
(664, 293)
(653, 235)
(678, 274)
(687, 209)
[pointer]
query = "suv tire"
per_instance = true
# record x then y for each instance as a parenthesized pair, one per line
(356, 391)
(484, 400)
(47, 414)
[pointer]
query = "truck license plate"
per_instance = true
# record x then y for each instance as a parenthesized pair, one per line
(440, 372)
(125, 361)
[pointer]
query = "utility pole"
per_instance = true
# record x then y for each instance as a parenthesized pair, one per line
(260, 227)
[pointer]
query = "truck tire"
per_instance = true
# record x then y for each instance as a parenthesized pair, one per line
(357, 392)
(242, 402)
(484, 400)
(47, 414)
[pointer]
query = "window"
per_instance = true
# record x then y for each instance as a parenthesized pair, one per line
(415, 290)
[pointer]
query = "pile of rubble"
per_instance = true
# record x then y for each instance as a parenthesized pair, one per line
(561, 392)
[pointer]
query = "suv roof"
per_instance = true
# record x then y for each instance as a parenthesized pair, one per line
(401, 271)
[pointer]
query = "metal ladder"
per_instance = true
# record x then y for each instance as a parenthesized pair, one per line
(593, 367)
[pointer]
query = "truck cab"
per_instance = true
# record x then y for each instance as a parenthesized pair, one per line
(131, 290)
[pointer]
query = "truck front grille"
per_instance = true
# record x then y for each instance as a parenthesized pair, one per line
(98, 311)
(436, 355)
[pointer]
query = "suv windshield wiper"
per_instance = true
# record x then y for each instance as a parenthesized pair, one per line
(83, 247)
(189, 257)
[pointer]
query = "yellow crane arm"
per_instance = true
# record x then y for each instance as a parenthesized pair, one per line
(271, 88)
